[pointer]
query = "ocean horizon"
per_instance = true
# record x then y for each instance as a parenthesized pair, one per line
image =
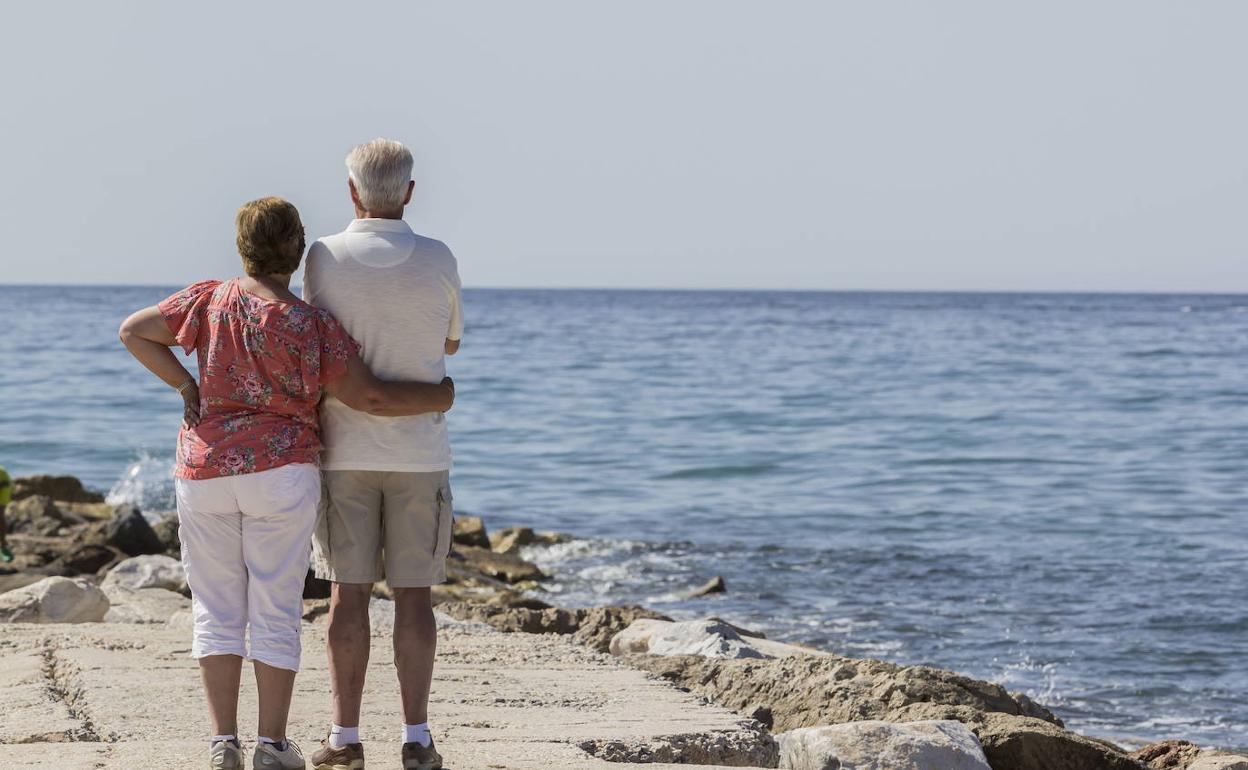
(1043, 489)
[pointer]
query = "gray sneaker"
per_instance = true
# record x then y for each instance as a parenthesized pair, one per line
(269, 757)
(225, 755)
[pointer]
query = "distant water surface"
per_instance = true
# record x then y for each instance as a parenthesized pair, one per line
(1049, 491)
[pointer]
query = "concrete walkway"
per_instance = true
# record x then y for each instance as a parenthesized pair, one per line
(127, 696)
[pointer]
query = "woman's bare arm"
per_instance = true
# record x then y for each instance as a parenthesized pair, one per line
(148, 338)
(362, 391)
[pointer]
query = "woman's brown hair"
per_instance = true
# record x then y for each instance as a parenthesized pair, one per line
(270, 237)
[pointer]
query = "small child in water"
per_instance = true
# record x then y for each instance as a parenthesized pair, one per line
(6, 492)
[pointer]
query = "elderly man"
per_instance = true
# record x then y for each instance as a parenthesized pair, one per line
(387, 509)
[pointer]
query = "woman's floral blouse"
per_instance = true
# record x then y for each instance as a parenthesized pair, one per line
(262, 363)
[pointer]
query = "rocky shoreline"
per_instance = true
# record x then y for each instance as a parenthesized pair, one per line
(79, 559)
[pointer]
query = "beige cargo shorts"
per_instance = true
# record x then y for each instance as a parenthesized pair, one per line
(389, 525)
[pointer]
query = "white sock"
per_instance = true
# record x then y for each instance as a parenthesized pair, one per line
(219, 738)
(341, 737)
(281, 745)
(417, 734)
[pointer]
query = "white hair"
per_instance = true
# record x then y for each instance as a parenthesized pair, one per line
(381, 170)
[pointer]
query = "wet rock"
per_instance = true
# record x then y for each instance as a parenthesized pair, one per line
(54, 600)
(876, 745)
(1015, 742)
(715, 585)
(167, 530)
(65, 488)
(1167, 755)
(129, 532)
(145, 605)
(815, 690)
(150, 571)
(511, 539)
(705, 638)
(89, 558)
(747, 746)
(506, 567)
(470, 530)
(599, 624)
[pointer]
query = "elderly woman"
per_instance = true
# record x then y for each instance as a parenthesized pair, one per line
(248, 485)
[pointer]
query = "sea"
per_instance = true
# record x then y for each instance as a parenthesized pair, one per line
(1049, 491)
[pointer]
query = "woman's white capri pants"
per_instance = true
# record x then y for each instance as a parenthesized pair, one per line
(246, 542)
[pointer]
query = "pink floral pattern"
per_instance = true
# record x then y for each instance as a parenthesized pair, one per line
(262, 364)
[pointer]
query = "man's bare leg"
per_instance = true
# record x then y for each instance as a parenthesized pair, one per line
(415, 644)
(348, 642)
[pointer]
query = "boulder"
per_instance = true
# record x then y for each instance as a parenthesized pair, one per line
(1167, 755)
(815, 690)
(89, 558)
(1219, 760)
(167, 530)
(598, 625)
(715, 585)
(150, 571)
(1014, 742)
(470, 530)
(501, 566)
(54, 600)
(39, 515)
(511, 539)
(129, 532)
(65, 488)
(705, 638)
(749, 745)
(13, 580)
(145, 605)
(551, 620)
(876, 745)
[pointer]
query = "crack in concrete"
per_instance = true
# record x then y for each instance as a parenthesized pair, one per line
(62, 687)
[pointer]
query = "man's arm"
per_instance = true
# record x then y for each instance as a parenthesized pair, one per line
(360, 389)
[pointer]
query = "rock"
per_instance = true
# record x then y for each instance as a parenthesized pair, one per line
(1014, 742)
(1167, 755)
(502, 566)
(1218, 760)
(598, 625)
(54, 600)
(15, 580)
(705, 638)
(167, 530)
(130, 532)
(747, 746)
(470, 530)
(315, 608)
(551, 620)
(65, 488)
(715, 585)
(876, 745)
(150, 571)
(89, 558)
(550, 538)
(315, 587)
(39, 515)
(145, 605)
(816, 690)
(510, 540)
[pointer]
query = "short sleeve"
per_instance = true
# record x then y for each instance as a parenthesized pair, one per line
(184, 312)
(455, 327)
(337, 347)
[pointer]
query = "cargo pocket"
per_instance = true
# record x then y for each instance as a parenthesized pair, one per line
(445, 523)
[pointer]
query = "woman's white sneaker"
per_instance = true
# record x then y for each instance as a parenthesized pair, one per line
(225, 755)
(270, 756)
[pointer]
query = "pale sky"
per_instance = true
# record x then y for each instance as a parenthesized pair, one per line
(1068, 145)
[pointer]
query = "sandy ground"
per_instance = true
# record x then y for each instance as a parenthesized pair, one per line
(127, 696)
